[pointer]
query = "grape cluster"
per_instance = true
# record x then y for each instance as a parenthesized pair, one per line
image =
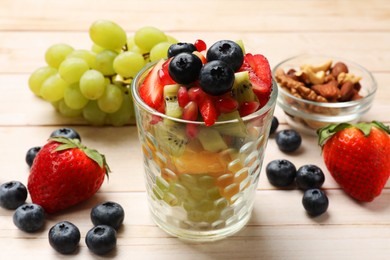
(95, 84)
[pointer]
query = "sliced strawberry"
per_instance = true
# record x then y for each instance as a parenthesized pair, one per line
(205, 103)
(259, 74)
(151, 90)
(247, 108)
(182, 96)
(163, 74)
(208, 111)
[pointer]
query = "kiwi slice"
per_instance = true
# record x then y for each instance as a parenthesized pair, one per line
(233, 129)
(172, 107)
(171, 137)
(211, 140)
(242, 88)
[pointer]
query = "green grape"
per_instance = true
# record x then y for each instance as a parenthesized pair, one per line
(93, 114)
(171, 39)
(104, 62)
(159, 51)
(148, 36)
(131, 46)
(37, 78)
(73, 97)
(128, 63)
(67, 111)
(53, 88)
(124, 113)
(96, 48)
(56, 53)
(92, 84)
(71, 69)
(111, 100)
(107, 34)
(86, 55)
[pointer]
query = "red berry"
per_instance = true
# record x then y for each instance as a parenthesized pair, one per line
(163, 74)
(192, 130)
(182, 96)
(190, 111)
(226, 104)
(200, 45)
(247, 108)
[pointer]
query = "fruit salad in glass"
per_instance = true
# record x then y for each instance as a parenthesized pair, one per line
(203, 118)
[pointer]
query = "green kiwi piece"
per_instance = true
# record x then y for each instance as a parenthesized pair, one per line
(172, 107)
(171, 137)
(211, 140)
(242, 88)
(233, 129)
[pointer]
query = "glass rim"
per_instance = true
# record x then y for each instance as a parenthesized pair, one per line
(138, 100)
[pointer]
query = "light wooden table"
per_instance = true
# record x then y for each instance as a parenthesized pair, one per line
(279, 227)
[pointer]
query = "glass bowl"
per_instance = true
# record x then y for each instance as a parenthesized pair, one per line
(309, 115)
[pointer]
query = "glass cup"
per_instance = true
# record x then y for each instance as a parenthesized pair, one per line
(201, 180)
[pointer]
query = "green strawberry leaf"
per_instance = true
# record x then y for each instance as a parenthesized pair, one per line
(66, 143)
(328, 131)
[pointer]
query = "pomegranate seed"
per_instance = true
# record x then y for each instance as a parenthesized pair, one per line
(192, 130)
(200, 45)
(196, 94)
(190, 111)
(226, 104)
(247, 108)
(182, 96)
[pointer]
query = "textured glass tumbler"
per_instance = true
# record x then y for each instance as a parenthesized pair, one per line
(201, 180)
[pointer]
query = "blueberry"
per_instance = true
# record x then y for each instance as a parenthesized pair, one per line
(309, 177)
(274, 125)
(288, 140)
(66, 132)
(184, 68)
(12, 194)
(315, 202)
(101, 239)
(180, 47)
(108, 213)
(280, 173)
(227, 51)
(64, 237)
(31, 154)
(216, 78)
(29, 217)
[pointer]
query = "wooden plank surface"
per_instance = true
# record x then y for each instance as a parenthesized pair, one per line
(279, 228)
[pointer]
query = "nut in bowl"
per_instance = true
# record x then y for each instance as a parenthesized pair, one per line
(316, 90)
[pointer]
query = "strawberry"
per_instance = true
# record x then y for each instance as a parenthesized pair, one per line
(358, 157)
(65, 173)
(151, 90)
(205, 103)
(259, 74)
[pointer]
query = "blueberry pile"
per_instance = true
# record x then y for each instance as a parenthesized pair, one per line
(216, 77)
(308, 178)
(64, 236)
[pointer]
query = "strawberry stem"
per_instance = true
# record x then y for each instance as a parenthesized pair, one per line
(328, 131)
(66, 143)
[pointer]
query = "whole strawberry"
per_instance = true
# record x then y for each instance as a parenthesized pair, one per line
(65, 173)
(358, 157)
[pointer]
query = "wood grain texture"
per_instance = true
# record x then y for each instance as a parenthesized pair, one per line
(279, 228)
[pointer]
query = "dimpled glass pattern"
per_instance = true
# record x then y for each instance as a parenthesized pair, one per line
(194, 193)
